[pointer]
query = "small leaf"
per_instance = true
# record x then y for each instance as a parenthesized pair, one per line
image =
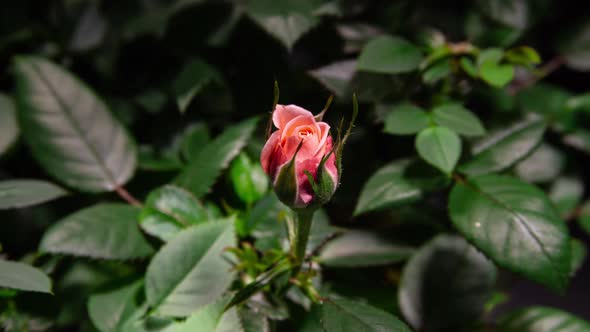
(445, 285)
(458, 119)
(170, 209)
(23, 277)
(361, 248)
(579, 253)
(389, 55)
(542, 319)
(469, 67)
(523, 55)
(9, 129)
(114, 309)
(24, 192)
(495, 74)
(440, 147)
(200, 174)
(516, 225)
(344, 315)
(189, 271)
(438, 71)
(248, 178)
(191, 80)
(406, 119)
(399, 182)
(504, 148)
(108, 231)
(70, 130)
(287, 21)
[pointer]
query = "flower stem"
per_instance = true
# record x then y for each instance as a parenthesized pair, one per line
(299, 237)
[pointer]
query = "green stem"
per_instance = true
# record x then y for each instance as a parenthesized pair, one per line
(299, 237)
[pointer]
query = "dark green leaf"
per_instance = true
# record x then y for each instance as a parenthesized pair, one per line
(584, 218)
(24, 192)
(108, 231)
(458, 119)
(445, 285)
(504, 148)
(115, 309)
(545, 99)
(212, 318)
(543, 165)
(170, 209)
(191, 80)
(389, 55)
(336, 76)
(516, 225)
(362, 248)
(249, 180)
(406, 119)
(287, 21)
(575, 47)
(579, 253)
(70, 130)
(9, 129)
(24, 277)
(252, 321)
(194, 139)
(200, 174)
(440, 147)
(348, 316)
(566, 193)
(189, 271)
(542, 319)
(438, 71)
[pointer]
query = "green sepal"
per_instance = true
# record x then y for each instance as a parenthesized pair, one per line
(285, 185)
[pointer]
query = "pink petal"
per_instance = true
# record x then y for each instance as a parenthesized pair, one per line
(285, 113)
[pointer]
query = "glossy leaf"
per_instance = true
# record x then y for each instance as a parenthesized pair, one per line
(543, 165)
(542, 319)
(566, 193)
(23, 277)
(440, 147)
(336, 76)
(458, 119)
(114, 309)
(26, 192)
(345, 315)
(406, 119)
(362, 248)
(70, 130)
(212, 318)
(9, 129)
(191, 80)
(504, 148)
(108, 231)
(248, 178)
(389, 55)
(445, 285)
(516, 225)
(200, 174)
(189, 271)
(287, 21)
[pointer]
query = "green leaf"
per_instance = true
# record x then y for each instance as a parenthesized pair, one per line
(575, 47)
(458, 119)
(406, 119)
(24, 277)
(191, 80)
(546, 99)
(9, 129)
(543, 165)
(566, 193)
(445, 285)
(194, 139)
(189, 271)
(24, 192)
(362, 248)
(579, 253)
(344, 315)
(542, 319)
(516, 225)
(114, 309)
(163, 160)
(200, 174)
(70, 130)
(336, 77)
(438, 71)
(504, 148)
(212, 318)
(523, 55)
(108, 231)
(248, 178)
(469, 67)
(440, 147)
(389, 55)
(170, 209)
(287, 21)
(495, 74)
(584, 218)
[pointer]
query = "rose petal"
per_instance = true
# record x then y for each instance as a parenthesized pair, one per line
(269, 155)
(322, 137)
(291, 126)
(285, 113)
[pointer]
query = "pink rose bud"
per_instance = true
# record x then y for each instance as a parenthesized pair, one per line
(300, 159)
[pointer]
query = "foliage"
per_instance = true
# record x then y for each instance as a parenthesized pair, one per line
(132, 198)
